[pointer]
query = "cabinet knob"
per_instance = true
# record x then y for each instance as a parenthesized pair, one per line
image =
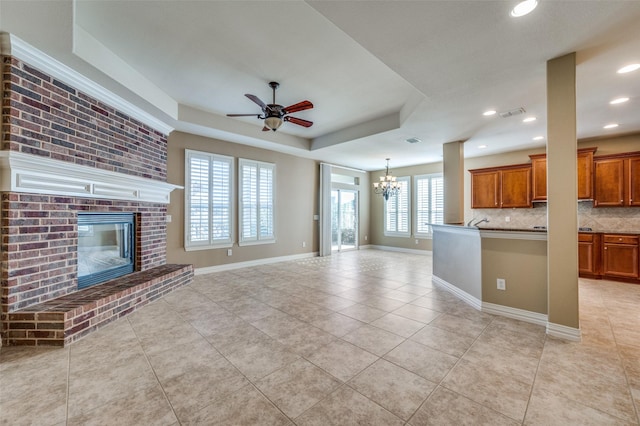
(605, 248)
(619, 239)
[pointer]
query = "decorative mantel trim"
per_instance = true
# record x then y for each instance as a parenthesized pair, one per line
(35, 174)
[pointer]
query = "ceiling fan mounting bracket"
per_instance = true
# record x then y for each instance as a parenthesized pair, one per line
(274, 85)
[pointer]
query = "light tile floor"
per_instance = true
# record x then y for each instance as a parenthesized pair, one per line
(355, 338)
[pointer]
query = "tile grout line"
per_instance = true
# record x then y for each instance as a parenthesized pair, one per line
(146, 357)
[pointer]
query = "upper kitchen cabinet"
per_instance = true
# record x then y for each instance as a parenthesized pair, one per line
(617, 180)
(585, 175)
(501, 187)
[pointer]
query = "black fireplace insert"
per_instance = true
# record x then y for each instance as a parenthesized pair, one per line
(105, 247)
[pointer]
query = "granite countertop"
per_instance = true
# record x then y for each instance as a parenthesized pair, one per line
(543, 229)
(581, 230)
(483, 228)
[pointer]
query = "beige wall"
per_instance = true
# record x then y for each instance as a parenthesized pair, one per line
(523, 266)
(297, 181)
(377, 209)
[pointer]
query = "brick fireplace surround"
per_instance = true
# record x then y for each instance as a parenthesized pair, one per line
(115, 164)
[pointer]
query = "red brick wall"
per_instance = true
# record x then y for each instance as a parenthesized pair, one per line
(46, 117)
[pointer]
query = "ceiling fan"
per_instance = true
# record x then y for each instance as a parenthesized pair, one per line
(274, 114)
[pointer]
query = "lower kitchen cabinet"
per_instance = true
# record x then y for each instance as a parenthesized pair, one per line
(589, 255)
(609, 256)
(620, 256)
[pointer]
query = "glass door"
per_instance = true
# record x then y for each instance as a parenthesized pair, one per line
(344, 220)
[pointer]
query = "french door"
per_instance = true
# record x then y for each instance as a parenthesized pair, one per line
(344, 220)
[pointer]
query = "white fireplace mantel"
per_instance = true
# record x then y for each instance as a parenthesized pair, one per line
(35, 174)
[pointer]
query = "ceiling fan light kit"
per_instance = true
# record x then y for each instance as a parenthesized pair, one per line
(275, 114)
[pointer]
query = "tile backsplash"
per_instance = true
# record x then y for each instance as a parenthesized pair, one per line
(616, 219)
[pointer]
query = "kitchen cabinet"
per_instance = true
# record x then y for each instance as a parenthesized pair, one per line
(585, 175)
(539, 177)
(617, 180)
(620, 256)
(501, 187)
(589, 259)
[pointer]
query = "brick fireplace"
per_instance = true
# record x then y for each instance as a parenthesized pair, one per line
(64, 152)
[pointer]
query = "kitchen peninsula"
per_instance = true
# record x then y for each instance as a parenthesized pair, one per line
(469, 261)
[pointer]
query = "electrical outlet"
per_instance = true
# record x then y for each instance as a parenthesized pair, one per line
(507, 219)
(417, 241)
(229, 252)
(502, 285)
(304, 244)
(168, 218)
(365, 238)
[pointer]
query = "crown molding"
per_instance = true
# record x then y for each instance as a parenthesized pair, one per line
(35, 174)
(34, 57)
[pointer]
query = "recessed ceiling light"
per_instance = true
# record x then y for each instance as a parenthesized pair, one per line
(523, 8)
(529, 119)
(618, 101)
(610, 126)
(482, 146)
(628, 68)
(538, 138)
(489, 112)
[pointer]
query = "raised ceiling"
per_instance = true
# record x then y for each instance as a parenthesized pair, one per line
(378, 72)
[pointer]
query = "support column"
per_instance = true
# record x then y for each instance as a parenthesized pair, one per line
(562, 199)
(453, 171)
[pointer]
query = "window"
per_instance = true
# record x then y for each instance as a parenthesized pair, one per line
(429, 203)
(397, 211)
(257, 201)
(209, 211)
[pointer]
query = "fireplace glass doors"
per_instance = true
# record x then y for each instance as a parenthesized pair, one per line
(105, 247)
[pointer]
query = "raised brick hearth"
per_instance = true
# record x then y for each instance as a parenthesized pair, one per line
(65, 151)
(65, 319)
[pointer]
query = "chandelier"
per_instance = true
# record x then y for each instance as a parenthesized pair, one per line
(387, 186)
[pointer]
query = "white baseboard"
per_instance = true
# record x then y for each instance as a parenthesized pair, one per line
(461, 294)
(401, 249)
(564, 332)
(554, 330)
(257, 262)
(515, 313)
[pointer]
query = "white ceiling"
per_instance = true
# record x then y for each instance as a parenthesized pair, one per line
(378, 72)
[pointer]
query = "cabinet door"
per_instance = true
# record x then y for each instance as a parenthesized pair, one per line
(634, 181)
(515, 187)
(585, 175)
(620, 260)
(586, 261)
(484, 190)
(539, 178)
(609, 183)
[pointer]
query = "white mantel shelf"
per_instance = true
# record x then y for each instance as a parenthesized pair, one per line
(35, 174)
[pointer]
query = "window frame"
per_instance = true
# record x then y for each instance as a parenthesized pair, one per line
(430, 176)
(211, 242)
(393, 199)
(259, 238)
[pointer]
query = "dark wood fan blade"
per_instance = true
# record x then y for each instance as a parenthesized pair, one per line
(300, 106)
(243, 115)
(265, 129)
(299, 121)
(257, 100)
